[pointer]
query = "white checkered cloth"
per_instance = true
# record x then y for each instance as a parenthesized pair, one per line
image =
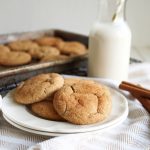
(133, 133)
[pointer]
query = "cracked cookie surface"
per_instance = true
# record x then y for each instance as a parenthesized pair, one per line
(84, 102)
(38, 88)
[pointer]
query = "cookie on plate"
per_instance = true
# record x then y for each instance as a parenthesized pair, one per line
(83, 102)
(43, 51)
(11, 58)
(38, 88)
(23, 45)
(45, 110)
(50, 41)
(73, 48)
(71, 81)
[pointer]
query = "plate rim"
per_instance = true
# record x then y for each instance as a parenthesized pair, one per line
(125, 113)
(54, 134)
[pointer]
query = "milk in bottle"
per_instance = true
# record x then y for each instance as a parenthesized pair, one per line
(109, 46)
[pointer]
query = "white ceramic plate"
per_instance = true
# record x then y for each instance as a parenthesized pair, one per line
(21, 116)
(57, 134)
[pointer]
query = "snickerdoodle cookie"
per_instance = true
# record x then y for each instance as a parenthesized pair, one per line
(45, 110)
(50, 57)
(83, 102)
(38, 88)
(73, 48)
(4, 48)
(43, 51)
(11, 58)
(71, 81)
(23, 45)
(50, 41)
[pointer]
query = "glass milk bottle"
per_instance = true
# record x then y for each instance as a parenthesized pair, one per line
(109, 44)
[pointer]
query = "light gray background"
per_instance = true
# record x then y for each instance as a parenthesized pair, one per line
(71, 15)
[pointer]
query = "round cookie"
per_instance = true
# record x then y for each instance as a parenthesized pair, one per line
(53, 58)
(71, 81)
(11, 58)
(73, 48)
(83, 102)
(38, 88)
(50, 41)
(4, 49)
(43, 51)
(45, 110)
(23, 45)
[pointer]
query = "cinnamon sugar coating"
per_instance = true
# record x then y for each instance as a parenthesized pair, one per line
(45, 110)
(38, 88)
(84, 102)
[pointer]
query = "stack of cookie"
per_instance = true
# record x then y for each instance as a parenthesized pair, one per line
(77, 101)
(42, 49)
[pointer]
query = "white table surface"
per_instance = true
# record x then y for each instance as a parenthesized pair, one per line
(142, 53)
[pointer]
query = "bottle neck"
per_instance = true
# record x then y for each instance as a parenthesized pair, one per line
(105, 12)
(120, 11)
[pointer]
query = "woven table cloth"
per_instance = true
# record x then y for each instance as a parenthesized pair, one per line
(133, 133)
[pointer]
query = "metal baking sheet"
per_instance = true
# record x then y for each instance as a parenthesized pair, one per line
(10, 75)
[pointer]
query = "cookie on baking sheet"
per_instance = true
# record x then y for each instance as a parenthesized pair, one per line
(43, 51)
(4, 48)
(73, 48)
(45, 110)
(50, 57)
(23, 45)
(83, 102)
(38, 88)
(50, 41)
(11, 58)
